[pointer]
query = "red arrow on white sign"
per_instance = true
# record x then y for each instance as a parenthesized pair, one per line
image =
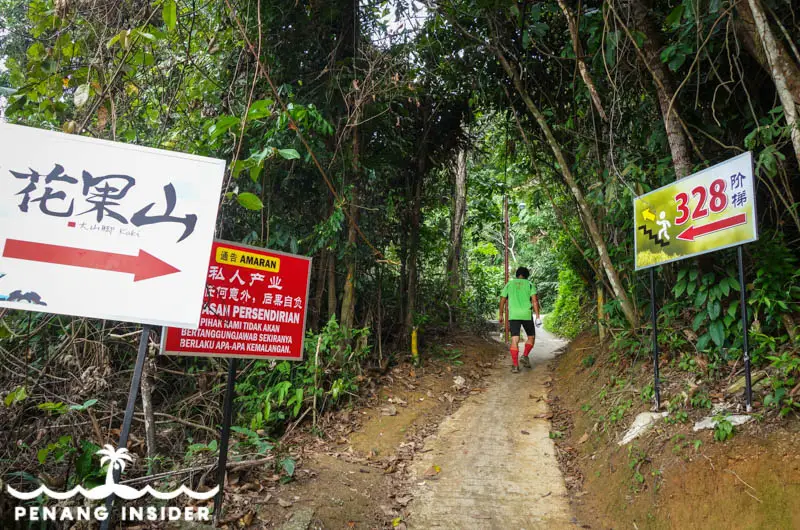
(143, 267)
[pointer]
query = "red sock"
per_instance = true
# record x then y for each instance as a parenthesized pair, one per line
(528, 348)
(515, 356)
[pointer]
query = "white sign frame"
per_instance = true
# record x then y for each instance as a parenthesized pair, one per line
(89, 263)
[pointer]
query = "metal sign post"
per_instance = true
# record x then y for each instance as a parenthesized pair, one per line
(227, 412)
(254, 308)
(708, 211)
(654, 316)
(126, 421)
(745, 345)
(119, 232)
(506, 333)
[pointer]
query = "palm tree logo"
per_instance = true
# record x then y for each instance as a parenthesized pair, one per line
(116, 459)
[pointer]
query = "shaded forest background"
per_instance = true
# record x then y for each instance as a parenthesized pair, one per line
(382, 138)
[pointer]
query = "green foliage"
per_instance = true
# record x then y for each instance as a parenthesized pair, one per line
(18, 395)
(723, 429)
(700, 401)
(710, 292)
(55, 409)
(451, 356)
(251, 201)
(647, 394)
(617, 412)
(181, 76)
(59, 450)
(688, 363)
(776, 288)
(637, 457)
(568, 318)
(198, 448)
(787, 370)
(287, 464)
(271, 393)
(86, 404)
(251, 440)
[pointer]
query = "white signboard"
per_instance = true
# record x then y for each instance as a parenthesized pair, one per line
(103, 229)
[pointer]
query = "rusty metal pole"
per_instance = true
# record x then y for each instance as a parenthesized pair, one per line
(505, 259)
(506, 334)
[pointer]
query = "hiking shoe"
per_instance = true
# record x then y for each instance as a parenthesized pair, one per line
(515, 369)
(525, 361)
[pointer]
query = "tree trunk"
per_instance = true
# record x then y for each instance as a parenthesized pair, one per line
(319, 288)
(403, 302)
(601, 318)
(748, 35)
(665, 87)
(332, 302)
(775, 61)
(591, 224)
(413, 249)
(349, 292)
(458, 219)
(576, 46)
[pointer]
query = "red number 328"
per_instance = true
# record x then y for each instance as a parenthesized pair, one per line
(719, 201)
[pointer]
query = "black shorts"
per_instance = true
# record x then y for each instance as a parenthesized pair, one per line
(527, 325)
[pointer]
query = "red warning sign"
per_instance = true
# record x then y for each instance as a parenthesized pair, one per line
(254, 306)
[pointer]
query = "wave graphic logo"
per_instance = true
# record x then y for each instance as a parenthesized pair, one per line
(116, 459)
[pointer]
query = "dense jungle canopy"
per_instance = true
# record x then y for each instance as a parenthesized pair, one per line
(382, 139)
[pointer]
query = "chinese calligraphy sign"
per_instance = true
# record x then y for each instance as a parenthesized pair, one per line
(103, 229)
(710, 210)
(254, 306)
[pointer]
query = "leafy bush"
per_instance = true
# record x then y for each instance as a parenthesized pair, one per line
(776, 288)
(483, 289)
(715, 305)
(568, 318)
(723, 430)
(270, 393)
(787, 367)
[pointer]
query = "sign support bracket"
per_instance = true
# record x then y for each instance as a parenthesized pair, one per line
(654, 315)
(227, 412)
(745, 345)
(126, 422)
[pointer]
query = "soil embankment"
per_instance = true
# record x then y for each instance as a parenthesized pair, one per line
(670, 477)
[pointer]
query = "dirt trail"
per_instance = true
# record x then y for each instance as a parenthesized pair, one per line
(498, 468)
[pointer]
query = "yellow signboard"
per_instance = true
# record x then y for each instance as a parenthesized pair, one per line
(710, 210)
(251, 260)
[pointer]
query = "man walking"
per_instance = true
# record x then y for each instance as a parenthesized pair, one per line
(520, 296)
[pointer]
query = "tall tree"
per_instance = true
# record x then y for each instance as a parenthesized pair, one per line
(650, 53)
(457, 223)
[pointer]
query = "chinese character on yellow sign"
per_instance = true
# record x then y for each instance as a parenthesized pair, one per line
(251, 260)
(707, 211)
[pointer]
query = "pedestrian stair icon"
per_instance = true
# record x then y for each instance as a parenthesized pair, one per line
(653, 237)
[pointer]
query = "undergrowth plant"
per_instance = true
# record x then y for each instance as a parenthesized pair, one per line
(271, 393)
(723, 428)
(568, 317)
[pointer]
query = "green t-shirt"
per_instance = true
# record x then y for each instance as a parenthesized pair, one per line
(519, 292)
